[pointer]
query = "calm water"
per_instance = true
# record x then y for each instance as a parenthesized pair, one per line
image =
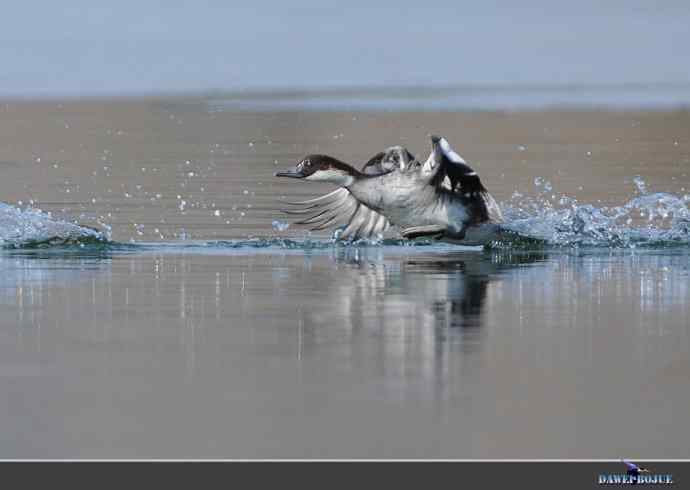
(201, 329)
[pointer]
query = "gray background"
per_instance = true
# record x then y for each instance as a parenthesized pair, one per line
(78, 48)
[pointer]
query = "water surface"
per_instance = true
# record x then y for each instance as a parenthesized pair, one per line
(191, 325)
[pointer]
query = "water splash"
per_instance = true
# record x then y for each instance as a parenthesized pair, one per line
(648, 220)
(640, 184)
(549, 220)
(32, 227)
(280, 225)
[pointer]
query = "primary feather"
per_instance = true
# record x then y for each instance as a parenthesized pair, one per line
(340, 208)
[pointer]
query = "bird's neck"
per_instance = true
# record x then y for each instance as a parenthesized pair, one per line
(342, 177)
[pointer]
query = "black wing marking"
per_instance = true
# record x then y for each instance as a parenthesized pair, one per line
(463, 181)
(459, 174)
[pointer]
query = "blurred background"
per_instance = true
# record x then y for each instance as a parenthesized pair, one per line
(501, 52)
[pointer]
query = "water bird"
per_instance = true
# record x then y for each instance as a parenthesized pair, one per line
(442, 198)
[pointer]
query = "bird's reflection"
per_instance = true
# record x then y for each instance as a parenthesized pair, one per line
(462, 282)
(429, 297)
(414, 319)
(461, 299)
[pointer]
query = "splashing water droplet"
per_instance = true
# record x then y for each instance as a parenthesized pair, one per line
(640, 184)
(280, 225)
(657, 219)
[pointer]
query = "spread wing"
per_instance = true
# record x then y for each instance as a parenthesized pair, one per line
(375, 165)
(456, 173)
(459, 178)
(340, 208)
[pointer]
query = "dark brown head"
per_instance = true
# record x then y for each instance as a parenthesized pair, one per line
(322, 168)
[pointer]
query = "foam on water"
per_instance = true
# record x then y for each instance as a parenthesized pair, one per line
(648, 220)
(33, 228)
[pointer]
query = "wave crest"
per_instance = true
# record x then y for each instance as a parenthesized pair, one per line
(650, 220)
(34, 228)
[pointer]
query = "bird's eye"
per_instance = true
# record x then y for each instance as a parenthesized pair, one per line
(307, 163)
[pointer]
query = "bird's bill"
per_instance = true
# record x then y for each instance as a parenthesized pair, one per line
(295, 173)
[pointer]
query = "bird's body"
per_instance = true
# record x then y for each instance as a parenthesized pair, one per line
(442, 198)
(406, 204)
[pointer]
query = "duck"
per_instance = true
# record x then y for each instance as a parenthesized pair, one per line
(442, 198)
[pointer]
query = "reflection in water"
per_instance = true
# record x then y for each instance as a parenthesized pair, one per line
(28, 282)
(436, 291)
(355, 293)
(473, 349)
(347, 293)
(414, 321)
(461, 284)
(406, 304)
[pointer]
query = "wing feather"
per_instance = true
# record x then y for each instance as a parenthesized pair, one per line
(381, 225)
(456, 172)
(333, 195)
(340, 208)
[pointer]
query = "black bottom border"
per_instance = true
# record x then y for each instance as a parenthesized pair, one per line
(326, 474)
